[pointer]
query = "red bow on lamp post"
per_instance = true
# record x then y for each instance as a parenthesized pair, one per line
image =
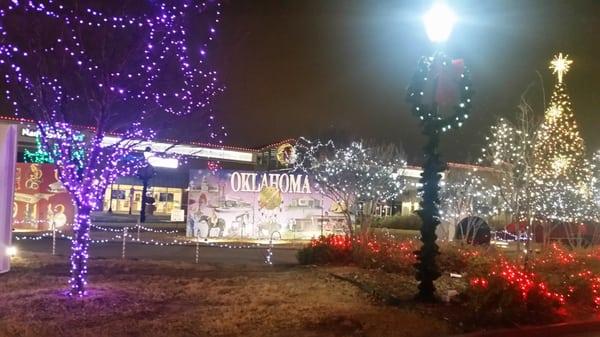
(447, 91)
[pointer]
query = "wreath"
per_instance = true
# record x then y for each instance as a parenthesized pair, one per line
(436, 68)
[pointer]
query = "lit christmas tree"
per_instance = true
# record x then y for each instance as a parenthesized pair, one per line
(561, 173)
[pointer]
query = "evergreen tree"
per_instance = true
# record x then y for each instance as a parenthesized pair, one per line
(561, 173)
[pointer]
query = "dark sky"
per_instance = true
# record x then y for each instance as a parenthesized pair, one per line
(339, 68)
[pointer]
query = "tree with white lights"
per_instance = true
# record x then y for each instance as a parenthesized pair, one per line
(596, 185)
(65, 65)
(509, 152)
(352, 174)
(561, 172)
(467, 194)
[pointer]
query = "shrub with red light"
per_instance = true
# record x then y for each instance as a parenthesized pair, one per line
(576, 279)
(386, 253)
(508, 293)
(334, 249)
(367, 250)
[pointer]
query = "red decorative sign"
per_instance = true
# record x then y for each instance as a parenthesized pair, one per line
(40, 199)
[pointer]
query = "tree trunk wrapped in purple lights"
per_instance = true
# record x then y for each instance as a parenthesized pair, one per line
(94, 75)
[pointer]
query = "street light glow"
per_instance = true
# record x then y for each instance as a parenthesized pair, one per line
(163, 162)
(439, 21)
(11, 251)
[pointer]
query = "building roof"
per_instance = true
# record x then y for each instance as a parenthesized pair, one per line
(207, 150)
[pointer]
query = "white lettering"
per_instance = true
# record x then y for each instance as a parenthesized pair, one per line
(295, 181)
(235, 181)
(274, 180)
(253, 180)
(284, 183)
(264, 182)
(306, 187)
(245, 182)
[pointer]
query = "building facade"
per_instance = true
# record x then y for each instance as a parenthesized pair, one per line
(170, 186)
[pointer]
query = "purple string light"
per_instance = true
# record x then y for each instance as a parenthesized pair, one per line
(112, 72)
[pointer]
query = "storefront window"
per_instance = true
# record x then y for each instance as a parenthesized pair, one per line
(129, 197)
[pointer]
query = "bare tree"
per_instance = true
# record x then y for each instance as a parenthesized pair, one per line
(352, 174)
(466, 196)
(509, 151)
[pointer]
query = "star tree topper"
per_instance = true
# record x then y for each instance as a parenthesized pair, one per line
(560, 65)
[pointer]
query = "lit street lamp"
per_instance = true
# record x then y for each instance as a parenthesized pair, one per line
(440, 97)
(439, 21)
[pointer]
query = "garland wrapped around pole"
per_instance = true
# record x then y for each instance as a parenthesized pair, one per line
(448, 85)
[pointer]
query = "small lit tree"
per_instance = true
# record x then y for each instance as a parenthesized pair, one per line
(352, 174)
(595, 188)
(465, 194)
(113, 67)
(509, 152)
(595, 184)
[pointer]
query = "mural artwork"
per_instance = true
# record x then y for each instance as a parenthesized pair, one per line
(243, 204)
(40, 199)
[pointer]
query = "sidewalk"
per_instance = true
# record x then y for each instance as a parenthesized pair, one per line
(573, 329)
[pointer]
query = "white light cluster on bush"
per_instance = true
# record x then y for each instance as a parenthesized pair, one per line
(467, 193)
(352, 174)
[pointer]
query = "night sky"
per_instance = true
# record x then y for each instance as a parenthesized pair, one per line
(339, 68)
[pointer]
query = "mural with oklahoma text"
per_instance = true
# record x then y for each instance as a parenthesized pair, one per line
(246, 204)
(40, 198)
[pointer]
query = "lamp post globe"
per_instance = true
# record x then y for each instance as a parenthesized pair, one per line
(439, 22)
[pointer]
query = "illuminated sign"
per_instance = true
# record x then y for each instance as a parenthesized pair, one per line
(161, 147)
(163, 162)
(184, 150)
(33, 133)
(27, 132)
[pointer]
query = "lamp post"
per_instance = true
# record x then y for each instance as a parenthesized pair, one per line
(434, 81)
(145, 174)
(111, 200)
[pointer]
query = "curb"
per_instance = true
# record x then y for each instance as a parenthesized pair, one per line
(540, 331)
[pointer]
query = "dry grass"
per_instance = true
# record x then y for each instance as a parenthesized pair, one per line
(137, 298)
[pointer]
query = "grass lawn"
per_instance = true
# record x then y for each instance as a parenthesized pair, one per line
(145, 298)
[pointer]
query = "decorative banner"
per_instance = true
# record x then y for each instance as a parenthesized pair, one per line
(40, 198)
(8, 157)
(243, 204)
